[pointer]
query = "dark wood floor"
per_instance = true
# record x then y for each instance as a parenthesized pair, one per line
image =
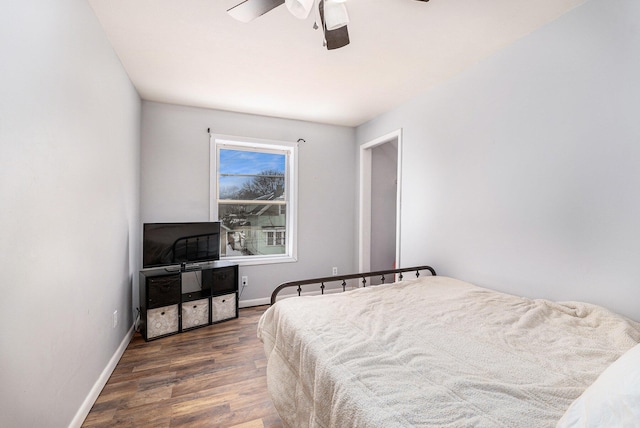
(213, 376)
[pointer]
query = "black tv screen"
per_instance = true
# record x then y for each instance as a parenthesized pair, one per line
(166, 244)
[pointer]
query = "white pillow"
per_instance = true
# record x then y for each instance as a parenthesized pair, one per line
(613, 400)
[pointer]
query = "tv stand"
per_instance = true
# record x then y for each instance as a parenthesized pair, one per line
(181, 298)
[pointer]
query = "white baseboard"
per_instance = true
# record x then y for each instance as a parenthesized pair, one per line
(84, 410)
(254, 302)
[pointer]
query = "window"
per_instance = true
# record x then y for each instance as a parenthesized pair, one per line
(275, 237)
(253, 196)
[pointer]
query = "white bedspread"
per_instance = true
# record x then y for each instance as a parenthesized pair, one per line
(434, 352)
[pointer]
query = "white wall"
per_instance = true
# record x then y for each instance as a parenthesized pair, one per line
(522, 173)
(69, 217)
(175, 184)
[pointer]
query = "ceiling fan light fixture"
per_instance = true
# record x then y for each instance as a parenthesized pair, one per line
(299, 8)
(335, 14)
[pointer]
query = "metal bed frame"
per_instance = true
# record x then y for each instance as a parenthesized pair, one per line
(363, 276)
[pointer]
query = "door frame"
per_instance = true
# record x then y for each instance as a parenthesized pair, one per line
(364, 221)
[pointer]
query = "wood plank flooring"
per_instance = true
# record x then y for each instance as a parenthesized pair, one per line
(213, 376)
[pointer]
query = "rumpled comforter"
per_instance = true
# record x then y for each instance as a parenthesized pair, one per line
(434, 352)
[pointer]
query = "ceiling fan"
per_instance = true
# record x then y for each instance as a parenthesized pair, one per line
(333, 16)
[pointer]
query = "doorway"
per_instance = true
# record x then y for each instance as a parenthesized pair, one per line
(380, 202)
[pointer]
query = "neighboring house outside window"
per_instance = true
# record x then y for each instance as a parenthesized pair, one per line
(253, 195)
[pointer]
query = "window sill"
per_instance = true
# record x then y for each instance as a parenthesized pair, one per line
(249, 261)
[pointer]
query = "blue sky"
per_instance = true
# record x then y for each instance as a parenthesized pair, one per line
(245, 162)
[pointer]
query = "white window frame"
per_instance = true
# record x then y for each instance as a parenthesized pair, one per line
(277, 237)
(291, 185)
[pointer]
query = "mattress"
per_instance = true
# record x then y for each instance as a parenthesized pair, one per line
(434, 352)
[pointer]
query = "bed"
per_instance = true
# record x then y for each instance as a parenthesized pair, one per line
(434, 351)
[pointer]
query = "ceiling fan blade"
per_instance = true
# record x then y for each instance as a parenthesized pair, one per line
(337, 38)
(249, 10)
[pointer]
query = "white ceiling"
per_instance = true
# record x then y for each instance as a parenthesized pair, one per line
(190, 52)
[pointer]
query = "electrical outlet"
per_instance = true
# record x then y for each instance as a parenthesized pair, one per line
(245, 281)
(334, 270)
(115, 318)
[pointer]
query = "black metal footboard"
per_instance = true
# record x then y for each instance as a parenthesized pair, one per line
(343, 278)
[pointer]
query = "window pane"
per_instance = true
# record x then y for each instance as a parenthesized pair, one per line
(250, 175)
(246, 228)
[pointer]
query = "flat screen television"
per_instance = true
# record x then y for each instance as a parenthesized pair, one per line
(167, 244)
